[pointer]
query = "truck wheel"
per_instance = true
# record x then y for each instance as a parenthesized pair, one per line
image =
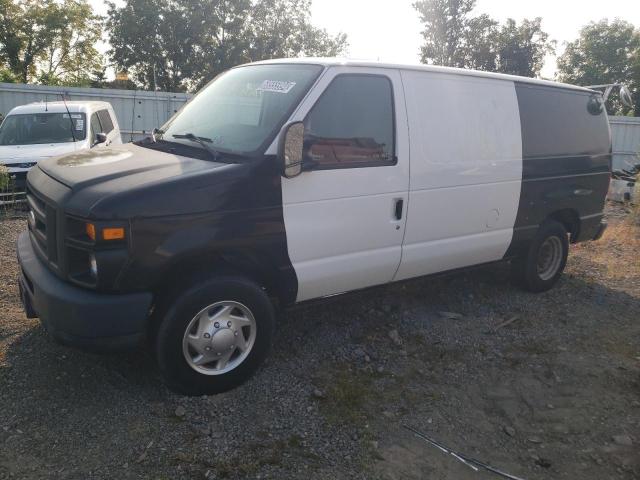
(540, 267)
(214, 335)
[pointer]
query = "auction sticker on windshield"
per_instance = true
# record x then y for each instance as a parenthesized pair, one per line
(277, 86)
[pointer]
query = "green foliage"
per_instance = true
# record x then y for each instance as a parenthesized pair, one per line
(7, 76)
(446, 27)
(180, 45)
(48, 40)
(455, 38)
(605, 52)
(521, 49)
(5, 179)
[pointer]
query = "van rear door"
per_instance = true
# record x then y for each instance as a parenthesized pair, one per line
(345, 214)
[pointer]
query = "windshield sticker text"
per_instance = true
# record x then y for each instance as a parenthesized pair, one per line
(277, 86)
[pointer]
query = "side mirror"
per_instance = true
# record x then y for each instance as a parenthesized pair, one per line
(290, 149)
(100, 138)
(625, 96)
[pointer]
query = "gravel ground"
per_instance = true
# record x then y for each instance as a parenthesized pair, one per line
(540, 386)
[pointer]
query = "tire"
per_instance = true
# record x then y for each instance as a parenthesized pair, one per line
(219, 312)
(549, 248)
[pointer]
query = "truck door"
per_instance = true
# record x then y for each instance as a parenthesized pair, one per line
(345, 214)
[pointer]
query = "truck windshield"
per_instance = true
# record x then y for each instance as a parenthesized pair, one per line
(35, 128)
(244, 107)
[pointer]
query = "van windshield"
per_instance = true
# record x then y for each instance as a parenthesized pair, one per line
(243, 108)
(36, 128)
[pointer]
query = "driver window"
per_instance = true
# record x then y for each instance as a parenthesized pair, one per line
(95, 127)
(352, 124)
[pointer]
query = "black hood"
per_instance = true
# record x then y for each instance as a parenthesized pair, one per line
(129, 180)
(128, 163)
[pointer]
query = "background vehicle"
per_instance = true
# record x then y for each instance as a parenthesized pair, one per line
(286, 181)
(32, 132)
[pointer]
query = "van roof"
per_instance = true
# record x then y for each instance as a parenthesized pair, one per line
(332, 61)
(59, 107)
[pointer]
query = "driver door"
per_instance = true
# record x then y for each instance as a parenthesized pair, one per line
(345, 213)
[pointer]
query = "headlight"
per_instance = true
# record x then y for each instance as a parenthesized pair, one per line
(93, 266)
(104, 233)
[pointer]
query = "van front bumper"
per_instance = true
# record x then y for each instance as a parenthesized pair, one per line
(75, 316)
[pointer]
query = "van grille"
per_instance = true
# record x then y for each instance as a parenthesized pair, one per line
(42, 225)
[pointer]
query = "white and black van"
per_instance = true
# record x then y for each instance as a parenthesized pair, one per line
(290, 180)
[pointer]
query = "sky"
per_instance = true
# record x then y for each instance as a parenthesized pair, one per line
(389, 30)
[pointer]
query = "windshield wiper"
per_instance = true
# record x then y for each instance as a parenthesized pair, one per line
(203, 141)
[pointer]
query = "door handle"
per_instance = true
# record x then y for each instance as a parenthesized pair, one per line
(399, 204)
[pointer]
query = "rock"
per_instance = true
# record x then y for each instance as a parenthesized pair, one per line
(180, 412)
(535, 439)
(201, 429)
(380, 369)
(509, 431)
(367, 358)
(624, 440)
(317, 393)
(543, 462)
(395, 337)
(450, 315)
(157, 408)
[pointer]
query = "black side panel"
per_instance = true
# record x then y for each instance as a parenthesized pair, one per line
(566, 155)
(236, 218)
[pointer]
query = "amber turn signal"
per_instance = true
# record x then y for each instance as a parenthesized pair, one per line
(113, 233)
(90, 228)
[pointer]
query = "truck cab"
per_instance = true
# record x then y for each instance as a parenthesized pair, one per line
(292, 180)
(30, 133)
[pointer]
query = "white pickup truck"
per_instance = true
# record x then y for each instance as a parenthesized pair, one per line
(32, 132)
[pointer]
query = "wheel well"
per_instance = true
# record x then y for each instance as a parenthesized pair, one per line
(185, 271)
(200, 266)
(570, 220)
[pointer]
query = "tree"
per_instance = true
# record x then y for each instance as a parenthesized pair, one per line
(71, 57)
(446, 22)
(455, 38)
(282, 28)
(480, 44)
(56, 35)
(605, 53)
(157, 41)
(521, 49)
(7, 76)
(181, 44)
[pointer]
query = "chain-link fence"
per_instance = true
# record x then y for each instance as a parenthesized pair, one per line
(12, 201)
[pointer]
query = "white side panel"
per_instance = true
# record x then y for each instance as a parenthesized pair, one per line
(341, 230)
(466, 171)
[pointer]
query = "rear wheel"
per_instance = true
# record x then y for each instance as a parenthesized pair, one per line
(540, 267)
(214, 335)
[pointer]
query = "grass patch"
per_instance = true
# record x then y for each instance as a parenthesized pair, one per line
(616, 254)
(258, 455)
(348, 394)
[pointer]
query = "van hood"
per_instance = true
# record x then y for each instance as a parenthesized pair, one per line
(34, 153)
(130, 180)
(132, 164)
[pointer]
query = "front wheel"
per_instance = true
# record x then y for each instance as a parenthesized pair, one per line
(214, 335)
(541, 265)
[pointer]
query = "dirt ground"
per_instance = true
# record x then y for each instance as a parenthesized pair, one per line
(540, 386)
